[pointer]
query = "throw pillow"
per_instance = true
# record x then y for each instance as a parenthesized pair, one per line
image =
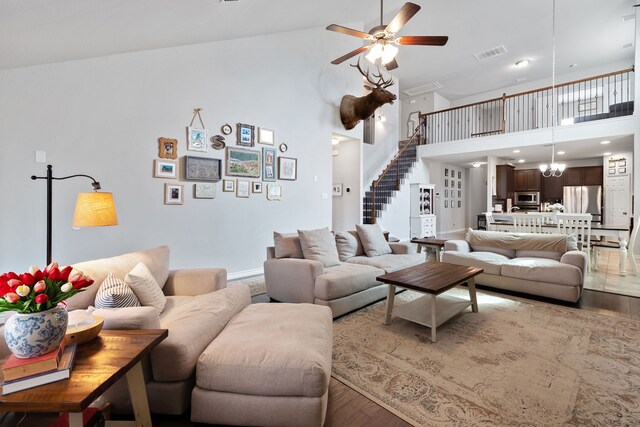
(319, 245)
(348, 245)
(373, 240)
(114, 293)
(572, 243)
(144, 285)
(287, 245)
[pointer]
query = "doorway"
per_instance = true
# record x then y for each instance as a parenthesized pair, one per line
(347, 182)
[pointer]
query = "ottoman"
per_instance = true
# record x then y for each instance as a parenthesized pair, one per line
(270, 366)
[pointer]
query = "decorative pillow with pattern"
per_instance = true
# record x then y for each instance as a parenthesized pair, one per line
(114, 293)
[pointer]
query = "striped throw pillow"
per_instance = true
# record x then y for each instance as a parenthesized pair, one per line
(114, 293)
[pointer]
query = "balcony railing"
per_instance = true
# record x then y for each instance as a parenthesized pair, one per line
(594, 98)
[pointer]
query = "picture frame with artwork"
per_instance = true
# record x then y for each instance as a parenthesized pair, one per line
(446, 182)
(256, 187)
(460, 193)
(173, 194)
(243, 188)
(245, 135)
(165, 169)
(269, 164)
(204, 190)
(459, 203)
(337, 190)
(274, 191)
(197, 139)
(446, 193)
(446, 172)
(287, 168)
(167, 148)
(228, 185)
(459, 174)
(446, 204)
(243, 162)
(202, 169)
(266, 136)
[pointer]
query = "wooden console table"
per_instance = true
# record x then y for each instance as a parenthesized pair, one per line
(98, 365)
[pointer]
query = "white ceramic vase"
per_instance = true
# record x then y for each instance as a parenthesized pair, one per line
(34, 334)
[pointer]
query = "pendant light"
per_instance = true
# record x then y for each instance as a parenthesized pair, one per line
(554, 169)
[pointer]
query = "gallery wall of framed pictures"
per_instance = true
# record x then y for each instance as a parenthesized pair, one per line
(453, 188)
(242, 169)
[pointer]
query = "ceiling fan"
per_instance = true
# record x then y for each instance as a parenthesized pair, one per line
(382, 38)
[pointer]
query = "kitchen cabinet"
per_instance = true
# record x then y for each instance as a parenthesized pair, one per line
(572, 176)
(504, 182)
(551, 189)
(527, 180)
(592, 175)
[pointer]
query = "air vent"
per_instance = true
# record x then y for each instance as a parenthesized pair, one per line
(425, 88)
(490, 53)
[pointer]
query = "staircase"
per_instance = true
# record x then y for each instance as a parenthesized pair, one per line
(389, 181)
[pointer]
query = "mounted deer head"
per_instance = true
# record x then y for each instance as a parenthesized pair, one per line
(353, 109)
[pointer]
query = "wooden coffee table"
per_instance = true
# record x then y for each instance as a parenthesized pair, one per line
(433, 279)
(98, 365)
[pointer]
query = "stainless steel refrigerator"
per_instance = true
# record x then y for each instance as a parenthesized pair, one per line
(584, 199)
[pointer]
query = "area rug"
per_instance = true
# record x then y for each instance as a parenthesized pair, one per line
(515, 363)
(255, 283)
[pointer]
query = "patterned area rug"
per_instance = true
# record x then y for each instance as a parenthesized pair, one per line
(515, 363)
(256, 284)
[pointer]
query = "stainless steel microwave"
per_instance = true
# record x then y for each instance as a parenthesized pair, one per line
(526, 198)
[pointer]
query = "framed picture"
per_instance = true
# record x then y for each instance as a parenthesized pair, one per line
(453, 173)
(266, 136)
(453, 184)
(274, 191)
(459, 184)
(446, 193)
(460, 193)
(459, 203)
(287, 168)
(446, 172)
(622, 170)
(622, 163)
(256, 187)
(165, 169)
(453, 204)
(173, 194)
(612, 171)
(167, 148)
(446, 203)
(202, 168)
(337, 190)
(269, 164)
(459, 174)
(196, 139)
(612, 163)
(204, 190)
(242, 188)
(446, 182)
(228, 185)
(243, 162)
(246, 135)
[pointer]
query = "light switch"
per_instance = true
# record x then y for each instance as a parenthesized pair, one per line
(315, 178)
(325, 196)
(41, 156)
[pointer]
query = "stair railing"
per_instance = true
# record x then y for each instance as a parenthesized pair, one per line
(394, 162)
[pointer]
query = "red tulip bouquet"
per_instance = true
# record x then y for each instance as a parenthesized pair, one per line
(37, 290)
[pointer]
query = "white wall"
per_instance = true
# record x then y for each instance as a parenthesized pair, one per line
(448, 219)
(347, 168)
(103, 117)
(476, 194)
(425, 103)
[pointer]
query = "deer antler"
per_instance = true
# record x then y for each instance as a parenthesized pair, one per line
(366, 75)
(381, 80)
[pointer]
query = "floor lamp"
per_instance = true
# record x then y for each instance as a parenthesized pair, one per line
(92, 209)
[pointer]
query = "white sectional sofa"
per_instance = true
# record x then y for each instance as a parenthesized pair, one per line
(548, 265)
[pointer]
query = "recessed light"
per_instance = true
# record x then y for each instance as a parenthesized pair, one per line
(522, 63)
(520, 79)
(516, 151)
(605, 142)
(573, 65)
(560, 153)
(607, 153)
(521, 161)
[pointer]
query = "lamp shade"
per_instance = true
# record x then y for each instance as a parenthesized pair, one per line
(95, 210)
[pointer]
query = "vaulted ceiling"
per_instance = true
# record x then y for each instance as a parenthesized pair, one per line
(589, 32)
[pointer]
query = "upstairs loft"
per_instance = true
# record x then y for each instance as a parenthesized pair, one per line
(594, 99)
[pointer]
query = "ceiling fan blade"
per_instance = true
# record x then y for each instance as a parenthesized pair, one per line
(350, 55)
(423, 40)
(348, 31)
(402, 17)
(392, 65)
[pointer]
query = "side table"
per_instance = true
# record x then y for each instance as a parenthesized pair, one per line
(430, 242)
(98, 365)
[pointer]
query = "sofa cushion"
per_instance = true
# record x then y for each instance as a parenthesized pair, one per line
(345, 279)
(373, 240)
(348, 244)
(156, 259)
(319, 245)
(193, 322)
(542, 270)
(539, 254)
(518, 241)
(144, 285)
(114, 293)
(287, 245)
(489, 261)
(271, 350)
(389, 262)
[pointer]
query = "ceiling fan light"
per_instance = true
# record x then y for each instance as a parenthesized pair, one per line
(375, 52)
(389, 52)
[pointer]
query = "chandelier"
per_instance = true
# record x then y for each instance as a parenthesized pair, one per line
(554, 169)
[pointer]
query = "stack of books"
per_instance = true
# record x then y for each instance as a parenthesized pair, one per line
(22, 374)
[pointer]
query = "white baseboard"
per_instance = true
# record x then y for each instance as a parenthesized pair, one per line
(245, 273)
